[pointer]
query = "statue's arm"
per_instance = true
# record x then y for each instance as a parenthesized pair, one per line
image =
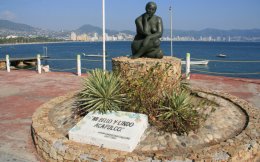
(141, 26)
(146, 25)
(160, 27)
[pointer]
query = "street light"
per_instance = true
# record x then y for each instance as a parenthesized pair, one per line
(170, 9)
(45, 51)
(104, 34)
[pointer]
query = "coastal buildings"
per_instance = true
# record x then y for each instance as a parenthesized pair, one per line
(92, 37)
(120, 36)
(9, 30)
(11, 36)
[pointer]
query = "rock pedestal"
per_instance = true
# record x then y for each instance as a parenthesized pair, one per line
(2, 65)
(129, 68)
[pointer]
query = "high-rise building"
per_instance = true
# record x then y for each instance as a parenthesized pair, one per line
(73, 36)
(82, 37)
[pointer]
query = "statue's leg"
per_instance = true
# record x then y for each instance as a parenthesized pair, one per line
(160, 54)
(154, 53)
(143, 50)
(156, 43)
(135, 46)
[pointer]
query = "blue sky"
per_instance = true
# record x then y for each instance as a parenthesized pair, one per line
(120, 14)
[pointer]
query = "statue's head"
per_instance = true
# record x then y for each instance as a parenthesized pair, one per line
(150, 8)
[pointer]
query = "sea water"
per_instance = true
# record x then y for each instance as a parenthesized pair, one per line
(242, 58)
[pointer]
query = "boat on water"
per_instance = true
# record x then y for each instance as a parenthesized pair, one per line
(93, 55)
(221, 55)
(203, 62)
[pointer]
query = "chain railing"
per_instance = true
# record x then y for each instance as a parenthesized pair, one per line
(188, 67)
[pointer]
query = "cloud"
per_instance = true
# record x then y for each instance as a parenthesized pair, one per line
(7, 15)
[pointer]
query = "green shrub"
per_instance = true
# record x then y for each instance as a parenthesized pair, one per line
(177, 113)
(144, 91)
(101, 92)
(169, 107)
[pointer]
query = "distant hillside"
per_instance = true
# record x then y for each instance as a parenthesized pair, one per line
(94, 29)
(215, 33)
(183, 33)
(9, 25)
(12, 28)
(88, 29)
(128, 32)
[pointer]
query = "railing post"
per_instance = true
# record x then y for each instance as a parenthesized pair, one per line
(39, 64)
(188, 66)
(7, 63)
(78, 65)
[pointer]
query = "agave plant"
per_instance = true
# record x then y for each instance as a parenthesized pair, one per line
(101, 92)
(184, 85)
(177, 113)
(176, 103)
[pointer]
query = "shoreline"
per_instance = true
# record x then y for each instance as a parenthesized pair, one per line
(10, 44)
(69, 41)
(14, 44)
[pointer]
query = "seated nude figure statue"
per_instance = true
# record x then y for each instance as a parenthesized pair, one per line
(149, 28)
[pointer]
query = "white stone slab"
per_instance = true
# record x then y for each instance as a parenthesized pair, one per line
(114, 130)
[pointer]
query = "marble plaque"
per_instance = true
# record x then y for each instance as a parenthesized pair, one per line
(114, 130)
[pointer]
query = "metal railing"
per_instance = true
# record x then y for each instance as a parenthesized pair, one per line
(188, 68)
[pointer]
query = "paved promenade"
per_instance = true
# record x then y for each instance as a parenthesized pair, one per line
(22, 92)
(247, 89)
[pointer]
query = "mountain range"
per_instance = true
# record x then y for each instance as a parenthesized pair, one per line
(12, 28)
(5, 24)
(182, 33)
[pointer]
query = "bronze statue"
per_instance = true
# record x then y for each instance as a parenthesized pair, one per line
(149, 28)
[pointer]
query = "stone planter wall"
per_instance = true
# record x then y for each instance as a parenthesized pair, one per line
(129, 68)
(2, 65)
(53, 146)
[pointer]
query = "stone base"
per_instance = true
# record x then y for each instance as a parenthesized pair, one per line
(2, 65)
(169, 67)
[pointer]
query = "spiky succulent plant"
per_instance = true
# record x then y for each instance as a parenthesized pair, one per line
(101, 92)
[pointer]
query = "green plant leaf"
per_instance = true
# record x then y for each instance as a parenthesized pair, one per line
(101, 92)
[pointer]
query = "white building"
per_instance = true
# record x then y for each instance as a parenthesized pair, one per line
(95, 37)
(73, 36)
(11, 36)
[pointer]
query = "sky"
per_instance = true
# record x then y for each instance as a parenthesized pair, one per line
(121, 14)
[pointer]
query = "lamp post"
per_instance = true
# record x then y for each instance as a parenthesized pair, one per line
(45, 51)
(171, 29)
(104, 34)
